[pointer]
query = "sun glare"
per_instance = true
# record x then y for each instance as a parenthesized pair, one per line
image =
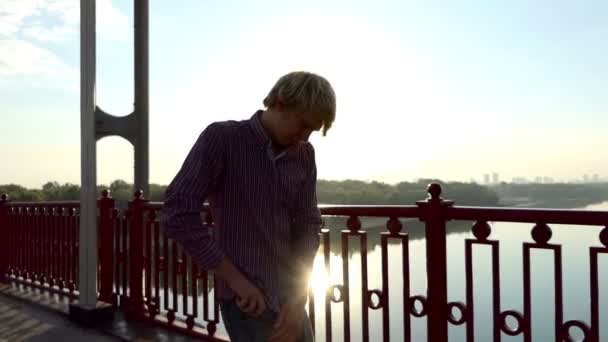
(319, 281)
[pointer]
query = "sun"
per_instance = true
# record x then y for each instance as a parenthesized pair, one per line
(319, 280)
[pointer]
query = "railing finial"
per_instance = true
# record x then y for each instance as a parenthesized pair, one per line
(4, 197)
(139, 194)
(604, 236)
(541, 233)
(353, 224)
(481, 230)
(105, 193)
(434, 190)
(394, 226)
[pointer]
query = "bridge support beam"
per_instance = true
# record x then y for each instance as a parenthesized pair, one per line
(96, 124)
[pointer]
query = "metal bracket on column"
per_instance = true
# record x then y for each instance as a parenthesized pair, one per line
(134, 127)
(122, 126)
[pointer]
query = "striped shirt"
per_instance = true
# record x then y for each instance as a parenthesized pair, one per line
(263, 203)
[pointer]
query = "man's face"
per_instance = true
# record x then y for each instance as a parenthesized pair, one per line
(296, 127)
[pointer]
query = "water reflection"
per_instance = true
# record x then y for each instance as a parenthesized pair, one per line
(376, 225)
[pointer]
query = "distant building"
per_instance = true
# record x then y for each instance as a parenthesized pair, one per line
(548, 180)
(538, 179)
(486, 179)
(596, 178)
(585, 178)
(494, 178)
(519, 180)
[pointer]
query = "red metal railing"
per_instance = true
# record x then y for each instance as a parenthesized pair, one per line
(173, 291)
(152, 279)
(41, 244)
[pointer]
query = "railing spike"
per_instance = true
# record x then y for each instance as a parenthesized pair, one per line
(604, 236)
(105, 193)
(434, 190)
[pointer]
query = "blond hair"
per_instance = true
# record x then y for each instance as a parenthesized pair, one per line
(303, 91)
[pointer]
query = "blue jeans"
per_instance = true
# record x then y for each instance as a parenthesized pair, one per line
(242, 328)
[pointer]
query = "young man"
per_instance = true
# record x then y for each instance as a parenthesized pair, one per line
(259, 176)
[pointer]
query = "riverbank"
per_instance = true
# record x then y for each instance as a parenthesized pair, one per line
(552, 203)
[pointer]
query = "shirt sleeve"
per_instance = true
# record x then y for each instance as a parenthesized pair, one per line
(307, 221)
(185, 195)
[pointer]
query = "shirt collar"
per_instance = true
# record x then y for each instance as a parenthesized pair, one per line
(263, 138)
(261, 135)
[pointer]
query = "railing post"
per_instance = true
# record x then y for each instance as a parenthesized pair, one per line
(433, 213)
(136, 262)
(3, 236)
(106, 205)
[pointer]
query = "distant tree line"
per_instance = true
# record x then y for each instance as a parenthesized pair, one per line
(403, 193)
(553, 195)
(120, 190)
(360, 192)
(329, 192)
(537, 190)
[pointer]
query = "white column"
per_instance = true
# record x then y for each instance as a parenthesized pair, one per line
(141, 71)
(87, 282)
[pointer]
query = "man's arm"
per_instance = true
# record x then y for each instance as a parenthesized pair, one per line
(198, 177)
(306, 226)
(305, 234)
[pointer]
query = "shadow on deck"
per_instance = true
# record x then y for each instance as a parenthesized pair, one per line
(32, 315)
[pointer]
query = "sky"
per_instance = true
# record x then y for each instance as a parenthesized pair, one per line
(425, 89)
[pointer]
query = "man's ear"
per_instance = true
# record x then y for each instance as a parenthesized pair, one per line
(280, 107)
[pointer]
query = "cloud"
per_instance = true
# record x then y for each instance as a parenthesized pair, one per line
(57, 20)
(13, 14)
(112, 24)
(44, 34)
(51, 20)
(27, 27)
(20, 57)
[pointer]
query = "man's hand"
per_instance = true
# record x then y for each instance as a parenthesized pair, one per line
(288, 325)
(250, 299)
